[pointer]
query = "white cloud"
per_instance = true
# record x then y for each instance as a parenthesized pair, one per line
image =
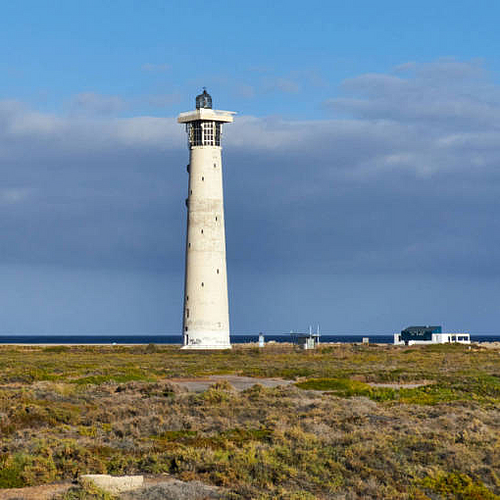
(98, 103)
(48, 134)
(443, 94)
(26, 122)
(398, 123)
(445, 116)
(160, 133)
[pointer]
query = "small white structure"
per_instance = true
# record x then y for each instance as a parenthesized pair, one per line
(206, 308)
(424, 335)
(261, 339)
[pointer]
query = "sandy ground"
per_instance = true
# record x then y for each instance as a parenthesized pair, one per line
(47, 491)
(396, 385)
(43, 492)
(490, 345)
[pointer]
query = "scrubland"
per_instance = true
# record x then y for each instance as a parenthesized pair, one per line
(65, 411)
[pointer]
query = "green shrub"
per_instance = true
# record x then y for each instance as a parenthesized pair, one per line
(56, 348)
(480, 388)
(175, 435)
(340, 386)
(39, 469)
(456, 486)
(11, 468)
(85, 492)
(346, 388)
(240, 435)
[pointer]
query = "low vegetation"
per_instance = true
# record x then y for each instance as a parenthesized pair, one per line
(333, 434)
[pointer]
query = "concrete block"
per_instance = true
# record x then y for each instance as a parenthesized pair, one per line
(113, 484)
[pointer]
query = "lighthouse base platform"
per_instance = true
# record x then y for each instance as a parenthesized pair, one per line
(201, 347)
(206, 340)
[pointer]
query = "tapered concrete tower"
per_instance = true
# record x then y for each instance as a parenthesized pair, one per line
(206, 310)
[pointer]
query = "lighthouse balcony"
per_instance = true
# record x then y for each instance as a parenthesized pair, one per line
(206, 114)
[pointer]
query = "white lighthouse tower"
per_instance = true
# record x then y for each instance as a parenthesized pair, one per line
(206, 310)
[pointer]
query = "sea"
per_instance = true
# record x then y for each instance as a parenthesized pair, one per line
(177, 339)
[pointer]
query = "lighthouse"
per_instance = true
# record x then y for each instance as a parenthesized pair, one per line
(206, 308)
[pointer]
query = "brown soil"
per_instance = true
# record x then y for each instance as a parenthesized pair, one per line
(43, 492)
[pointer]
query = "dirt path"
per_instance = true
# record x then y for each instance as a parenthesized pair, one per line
(238, 382)
(241, 383)
(396, 385)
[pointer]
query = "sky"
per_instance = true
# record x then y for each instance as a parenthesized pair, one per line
(361, 173)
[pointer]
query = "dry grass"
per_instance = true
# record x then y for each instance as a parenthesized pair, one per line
(112, 410)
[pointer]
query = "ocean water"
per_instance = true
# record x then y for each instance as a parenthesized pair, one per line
(177, 339)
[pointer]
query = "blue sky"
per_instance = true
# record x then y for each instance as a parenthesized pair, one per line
(251, 54)
(361, 174)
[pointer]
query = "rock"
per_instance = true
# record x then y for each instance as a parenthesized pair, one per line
(112, 484)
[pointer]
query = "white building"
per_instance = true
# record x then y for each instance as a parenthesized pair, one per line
(206, 309)
(306, 340)
(429, 335)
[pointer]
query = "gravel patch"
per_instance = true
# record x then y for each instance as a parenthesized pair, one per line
(176, 490)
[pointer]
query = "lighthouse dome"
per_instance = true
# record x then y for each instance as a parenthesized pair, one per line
(204, 100)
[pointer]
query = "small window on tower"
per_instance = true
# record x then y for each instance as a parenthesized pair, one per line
(186, 328)
(218, 133)
(216, 218)
(202, 231)
(215, 165)
(189, 245)
(203, 178)
(217, 271)
(187, 313)
(202, 284)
